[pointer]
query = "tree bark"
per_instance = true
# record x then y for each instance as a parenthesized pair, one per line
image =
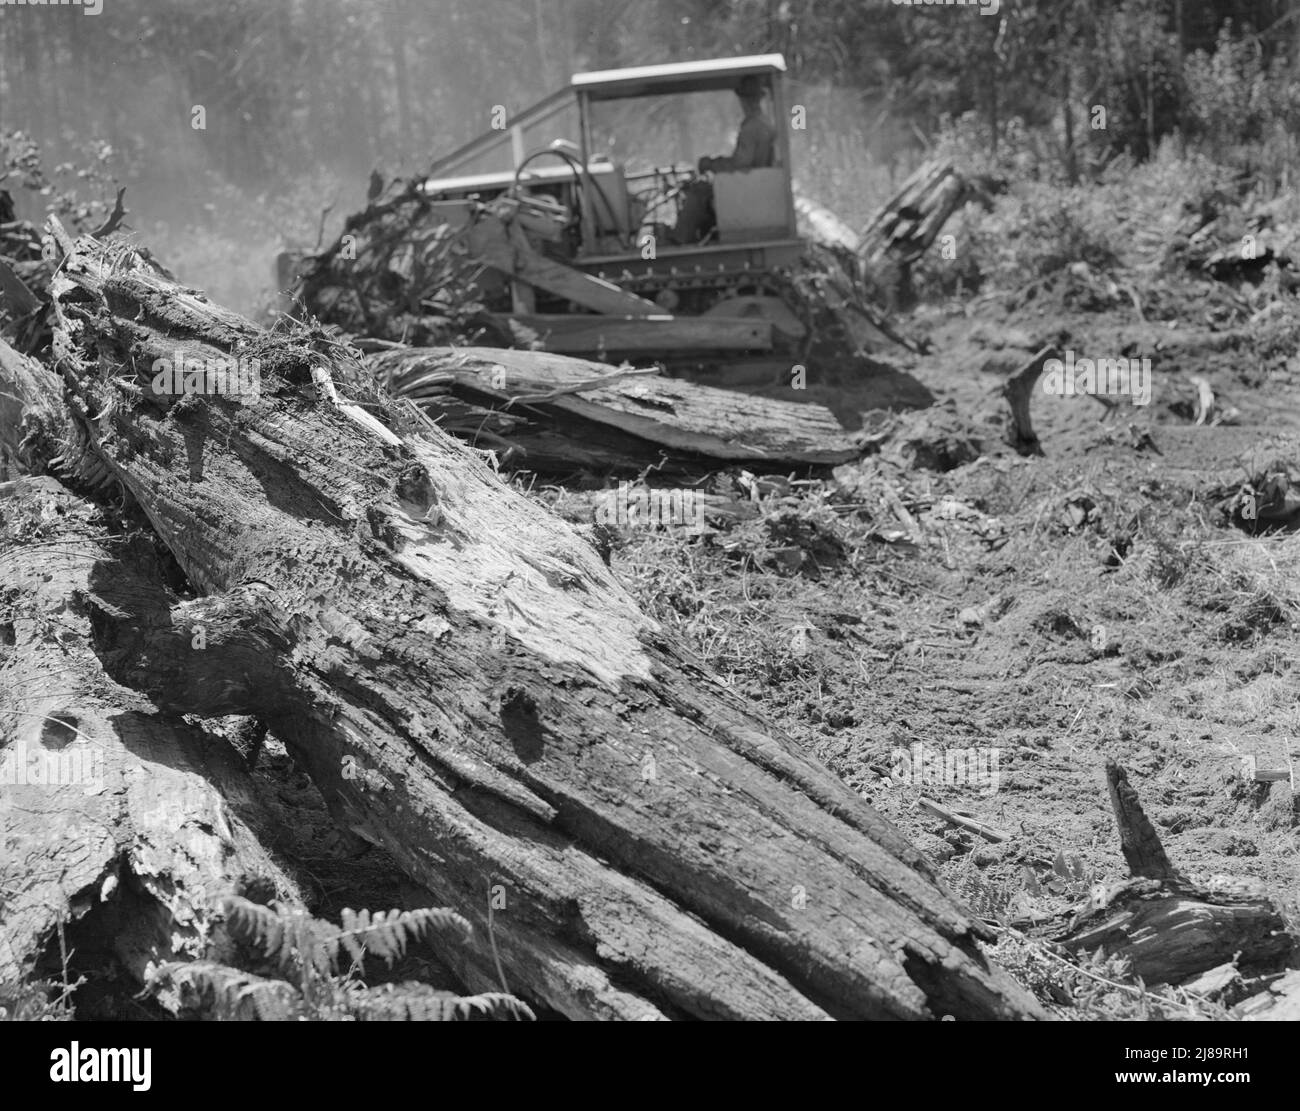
(107, 809)
(556, 414)
(1169, 928)
(469, 686)
(1171, 931)
(33, 423)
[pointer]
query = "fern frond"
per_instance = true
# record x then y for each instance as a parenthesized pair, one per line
(291, 939)
(305, 951)
(416, 1002)
(348, 936)
(265, 928)
(217, 992)
(494, 1005)
(253, 924)
(386, 935)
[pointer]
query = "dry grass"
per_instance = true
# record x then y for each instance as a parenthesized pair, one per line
(859, 649)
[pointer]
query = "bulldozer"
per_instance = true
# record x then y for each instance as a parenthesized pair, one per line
(585, 250)
(571, 212)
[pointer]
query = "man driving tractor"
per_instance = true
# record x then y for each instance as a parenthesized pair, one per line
(755, 147)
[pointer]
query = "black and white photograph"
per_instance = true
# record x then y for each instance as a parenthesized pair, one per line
(539, 511)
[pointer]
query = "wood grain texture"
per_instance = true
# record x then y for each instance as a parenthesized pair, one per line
(564, 412)
(105, 807)
(470, 686)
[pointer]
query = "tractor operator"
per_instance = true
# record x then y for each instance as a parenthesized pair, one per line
(755, 147)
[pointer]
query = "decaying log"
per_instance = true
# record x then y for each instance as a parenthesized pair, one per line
(33, 421)
(1171, 932)
(106, 809)
(1280, 1003)
(1169, 928)
(26, 267)
(560, 414)
(469, 686)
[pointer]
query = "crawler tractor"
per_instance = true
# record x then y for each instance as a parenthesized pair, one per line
(571, 214)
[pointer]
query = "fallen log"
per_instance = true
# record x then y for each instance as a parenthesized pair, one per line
(33, 421)
(469, 686)
(120, 825)
(559, 414)
(1169, 928)
(1173, 932)
(26, 267)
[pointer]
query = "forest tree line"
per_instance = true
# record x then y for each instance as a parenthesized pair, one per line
(290, 85)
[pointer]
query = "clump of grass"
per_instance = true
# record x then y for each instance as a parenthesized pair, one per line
(1249, 584)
